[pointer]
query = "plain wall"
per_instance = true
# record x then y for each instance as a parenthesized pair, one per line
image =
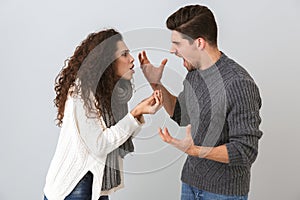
(36, 37)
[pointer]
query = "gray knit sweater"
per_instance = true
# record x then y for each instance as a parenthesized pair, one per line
(222, 104)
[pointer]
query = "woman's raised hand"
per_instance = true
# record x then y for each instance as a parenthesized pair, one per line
(149, 105)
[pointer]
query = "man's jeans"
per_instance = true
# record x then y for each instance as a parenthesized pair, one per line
(83, 190)
(192, 193)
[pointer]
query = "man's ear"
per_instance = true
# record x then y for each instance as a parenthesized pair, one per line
(201, 43)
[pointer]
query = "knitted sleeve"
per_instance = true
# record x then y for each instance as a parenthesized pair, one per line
(180, 114)
(98, 139)
(243, 120)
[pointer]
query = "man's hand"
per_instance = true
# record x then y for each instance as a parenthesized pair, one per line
(152, 74)
(186, 144)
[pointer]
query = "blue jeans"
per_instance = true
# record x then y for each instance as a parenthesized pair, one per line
(83, 190)
(189, 192)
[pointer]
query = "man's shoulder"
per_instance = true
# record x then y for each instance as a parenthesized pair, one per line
(232, 71)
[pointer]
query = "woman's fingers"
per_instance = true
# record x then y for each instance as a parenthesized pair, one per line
(157, 102)
(158, 94)
(161, 96)
(152, 104)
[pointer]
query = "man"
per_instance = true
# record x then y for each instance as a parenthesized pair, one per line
(221, 102)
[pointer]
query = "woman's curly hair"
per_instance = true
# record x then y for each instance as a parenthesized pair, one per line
(93, 65)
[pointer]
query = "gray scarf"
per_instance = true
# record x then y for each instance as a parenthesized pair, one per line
(121, 95)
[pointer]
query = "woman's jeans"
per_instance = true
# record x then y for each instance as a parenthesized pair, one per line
(83, 190)
(189, 192)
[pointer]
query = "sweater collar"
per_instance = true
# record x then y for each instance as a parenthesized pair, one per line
(215, 67)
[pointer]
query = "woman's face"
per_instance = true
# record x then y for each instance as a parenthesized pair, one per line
(124, 62)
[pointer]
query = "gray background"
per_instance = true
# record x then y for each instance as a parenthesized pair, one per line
(36, 37)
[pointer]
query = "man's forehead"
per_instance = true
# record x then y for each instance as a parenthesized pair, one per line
(176, 36)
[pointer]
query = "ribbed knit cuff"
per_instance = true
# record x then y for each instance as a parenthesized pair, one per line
(233, 154)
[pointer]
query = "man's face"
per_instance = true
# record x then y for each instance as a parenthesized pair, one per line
(182, 48)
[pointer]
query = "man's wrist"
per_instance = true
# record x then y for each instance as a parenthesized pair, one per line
(193, 151)
(155, 86)
(204, 151)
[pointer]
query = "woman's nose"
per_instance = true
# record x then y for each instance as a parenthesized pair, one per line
(131, 58)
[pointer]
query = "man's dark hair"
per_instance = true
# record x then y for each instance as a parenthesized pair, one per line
(194, 21)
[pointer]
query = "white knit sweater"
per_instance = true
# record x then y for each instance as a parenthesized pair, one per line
(82, 147)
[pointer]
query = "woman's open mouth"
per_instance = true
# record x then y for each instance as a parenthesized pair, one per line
(131, 68)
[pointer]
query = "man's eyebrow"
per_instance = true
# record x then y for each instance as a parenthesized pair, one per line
(175, 42)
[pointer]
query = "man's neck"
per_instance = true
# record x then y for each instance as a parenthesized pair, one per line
(211, 56)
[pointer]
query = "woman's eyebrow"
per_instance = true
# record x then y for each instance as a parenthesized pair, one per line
(125, 51)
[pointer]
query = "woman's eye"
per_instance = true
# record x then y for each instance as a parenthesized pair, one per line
(125, 53)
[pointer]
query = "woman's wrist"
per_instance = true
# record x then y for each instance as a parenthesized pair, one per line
(140, 119)
(136, 113)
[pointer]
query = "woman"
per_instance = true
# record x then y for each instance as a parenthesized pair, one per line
(92, 92)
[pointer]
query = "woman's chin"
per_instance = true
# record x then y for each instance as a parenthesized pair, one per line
(127, 77)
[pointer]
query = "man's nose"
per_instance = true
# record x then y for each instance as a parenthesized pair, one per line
(173, 50)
